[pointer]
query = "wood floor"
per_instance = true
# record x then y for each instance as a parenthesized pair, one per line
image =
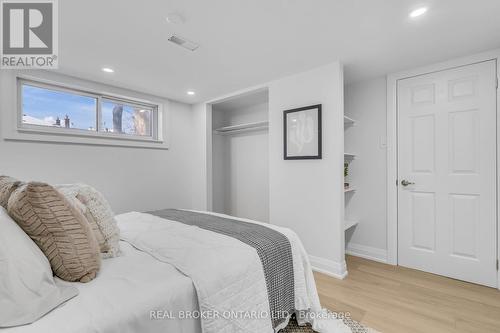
(394, 299)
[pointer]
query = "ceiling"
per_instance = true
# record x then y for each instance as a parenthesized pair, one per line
(242, 101)
(245, 43)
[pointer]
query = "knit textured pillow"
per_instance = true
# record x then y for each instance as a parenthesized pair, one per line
(7, 186)
(59, 230)
(71, 192)
(99, 214)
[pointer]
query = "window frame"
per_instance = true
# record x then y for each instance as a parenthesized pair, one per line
(61, 131)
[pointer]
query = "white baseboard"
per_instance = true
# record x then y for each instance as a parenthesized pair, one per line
(367, 252)
(329, 267)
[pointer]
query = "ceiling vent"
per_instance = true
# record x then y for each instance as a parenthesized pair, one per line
(185, 43)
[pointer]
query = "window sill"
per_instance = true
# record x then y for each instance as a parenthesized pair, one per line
(82, 138)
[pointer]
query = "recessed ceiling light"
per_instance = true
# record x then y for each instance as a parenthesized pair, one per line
(418, 12)
(108, 70)
(190, 92)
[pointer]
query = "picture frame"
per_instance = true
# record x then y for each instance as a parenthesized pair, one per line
(302, 133)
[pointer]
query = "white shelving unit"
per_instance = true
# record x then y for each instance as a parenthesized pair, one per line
(349, 121)
(256, 126)
(349, 157)
(348, 224)
(349, 189)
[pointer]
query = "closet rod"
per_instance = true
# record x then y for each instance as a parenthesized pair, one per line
(256, 126)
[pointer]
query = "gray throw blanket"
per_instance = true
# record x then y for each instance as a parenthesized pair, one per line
(273, 248)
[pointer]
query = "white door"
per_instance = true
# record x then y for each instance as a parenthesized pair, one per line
(447, 148)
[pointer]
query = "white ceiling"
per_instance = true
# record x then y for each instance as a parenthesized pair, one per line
(249, 42)
(242, 101)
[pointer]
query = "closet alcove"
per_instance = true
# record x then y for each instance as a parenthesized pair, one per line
(240, 155)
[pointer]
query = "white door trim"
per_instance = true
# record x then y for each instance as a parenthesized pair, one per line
(392, 158)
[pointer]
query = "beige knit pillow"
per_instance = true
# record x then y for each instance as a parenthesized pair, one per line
(77, 204)
(98, 213)
(7, 186)
(59, 230)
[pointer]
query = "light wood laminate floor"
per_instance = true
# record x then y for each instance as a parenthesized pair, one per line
(393, 299)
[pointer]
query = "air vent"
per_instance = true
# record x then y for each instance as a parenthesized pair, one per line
(181, 41)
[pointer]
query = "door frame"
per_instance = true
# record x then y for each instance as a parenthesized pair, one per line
(392, 141)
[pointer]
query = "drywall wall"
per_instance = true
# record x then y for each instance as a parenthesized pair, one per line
(131, 178)
(220, 166)
(201, 160)
(304, 195)
(241, 164)
(307, 195)
(366, 103)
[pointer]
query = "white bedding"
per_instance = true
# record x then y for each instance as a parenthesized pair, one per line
(227, 273)
(121, 297)
(129, 287)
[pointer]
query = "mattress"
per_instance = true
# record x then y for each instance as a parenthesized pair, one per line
(121, 299)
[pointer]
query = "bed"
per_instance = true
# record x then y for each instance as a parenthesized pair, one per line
(121, 298)
(170, 273)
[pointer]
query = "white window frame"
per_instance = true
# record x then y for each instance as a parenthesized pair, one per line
(9, 110)
(60, 131)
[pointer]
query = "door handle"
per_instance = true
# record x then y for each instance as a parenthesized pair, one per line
(405, 183)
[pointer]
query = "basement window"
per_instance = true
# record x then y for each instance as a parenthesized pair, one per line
(59, 110)
(126, 118)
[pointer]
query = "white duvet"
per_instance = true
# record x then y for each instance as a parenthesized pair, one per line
(144, 291)
(227, 274)
(120, 299)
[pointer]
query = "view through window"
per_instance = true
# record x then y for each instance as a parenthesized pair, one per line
(66, 109)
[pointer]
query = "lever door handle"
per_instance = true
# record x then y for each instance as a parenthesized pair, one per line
(405, 183)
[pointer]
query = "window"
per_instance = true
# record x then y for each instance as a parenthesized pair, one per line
(52, 108)
(125, 118)
(69, 111)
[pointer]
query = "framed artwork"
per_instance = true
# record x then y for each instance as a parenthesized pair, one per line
(302, 133)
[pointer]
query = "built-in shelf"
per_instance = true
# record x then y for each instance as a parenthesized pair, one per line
(349, 121)
(349, 189)
(349, 156)
(350, 223)
(256, 126)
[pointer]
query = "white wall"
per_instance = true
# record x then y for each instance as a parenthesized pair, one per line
(241, 165)
(307, 195)
(366, 103)
(131, 178)
(220, 166)
(201, 162)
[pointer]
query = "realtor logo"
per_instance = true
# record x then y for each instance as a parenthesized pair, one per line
(29, 34)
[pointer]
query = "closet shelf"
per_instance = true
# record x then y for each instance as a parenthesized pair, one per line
(256, 126)
(349, 121)
(350, 223)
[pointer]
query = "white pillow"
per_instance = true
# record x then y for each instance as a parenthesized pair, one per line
(98, 213)
(27, 287)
